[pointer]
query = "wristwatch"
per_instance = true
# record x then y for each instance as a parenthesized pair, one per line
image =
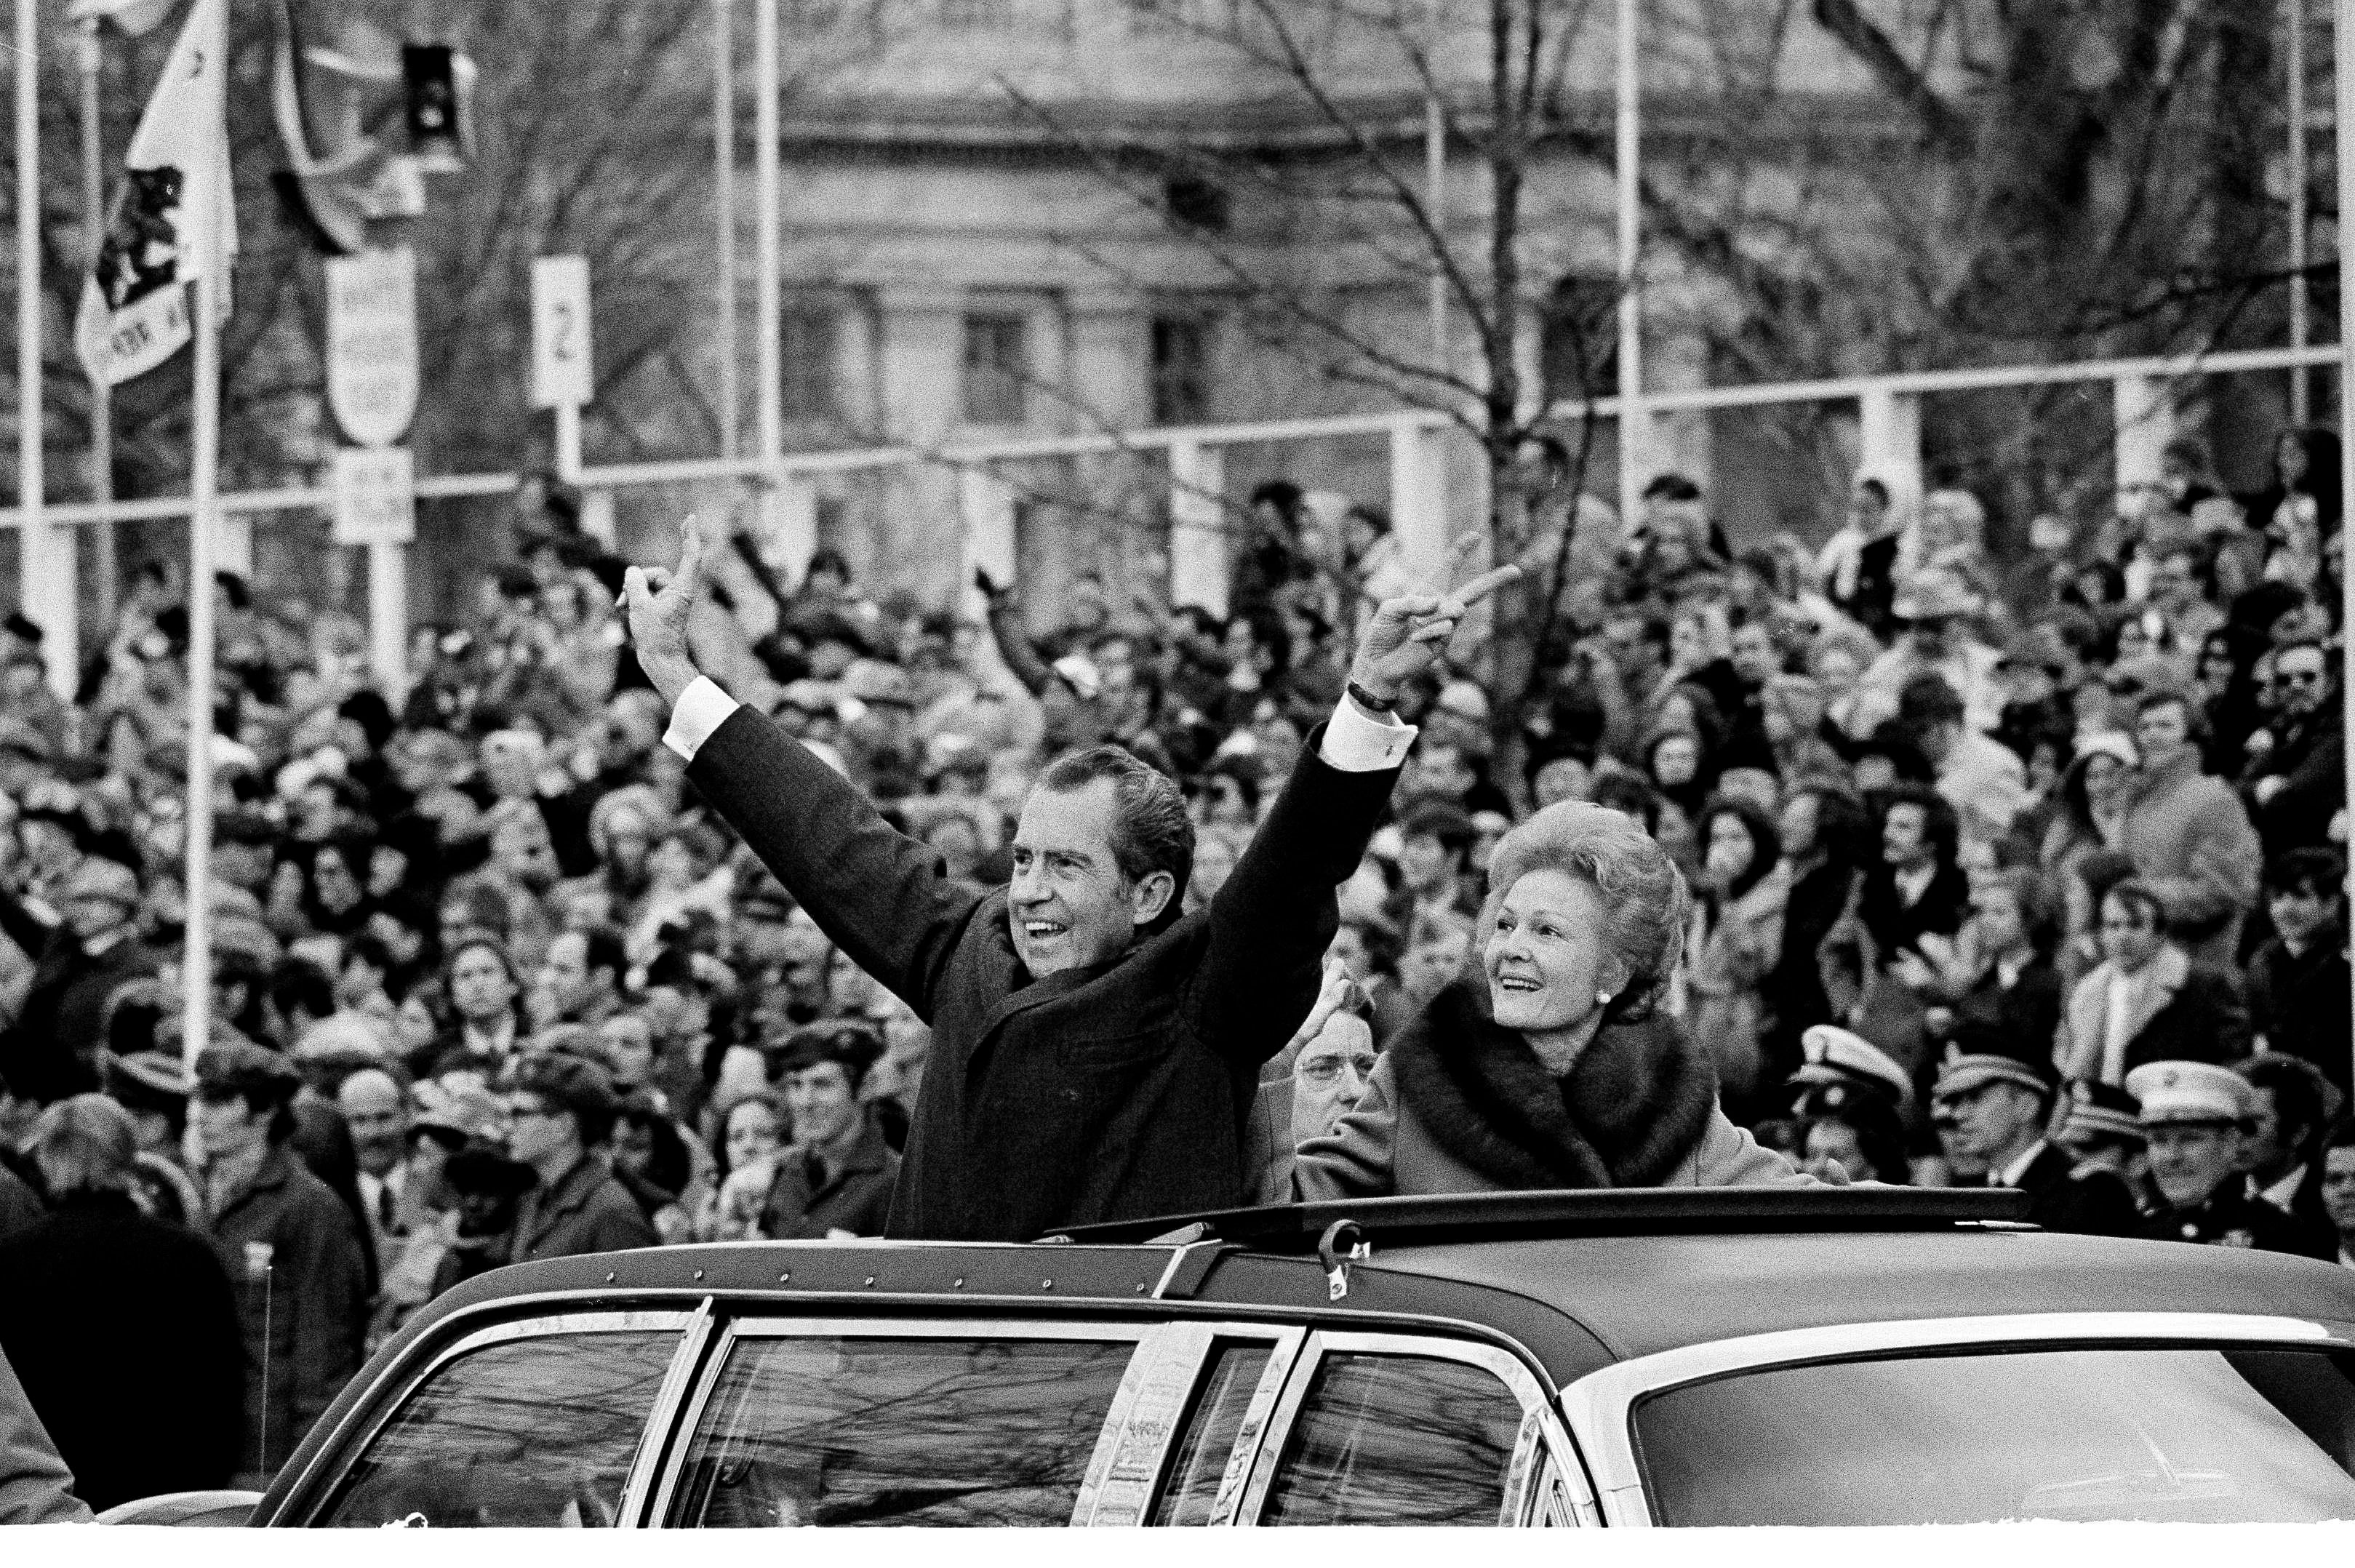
(1368, 701)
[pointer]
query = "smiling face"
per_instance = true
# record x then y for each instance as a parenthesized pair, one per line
(1546, 957)
(2190, 1161)
(1068, 905)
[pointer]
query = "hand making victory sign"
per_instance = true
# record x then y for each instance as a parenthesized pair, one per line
(660, 601)
(1408, 634)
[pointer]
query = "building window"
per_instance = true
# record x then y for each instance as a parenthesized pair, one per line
(1181, 372)
(996, 368)
(1193, 202)
(806, 350)
(1578, 351)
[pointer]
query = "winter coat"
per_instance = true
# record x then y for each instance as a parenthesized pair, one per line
(1725, 978)
(2299, 1002)
(2312, 760)
(2186, 1012)
(1460, 1104)
(1116, 1092)
(2077, 1199)
(51, 1051)
(2190, 840)
(587, 1210)
(856, 1196)
(294, 1256)
(80, 1320)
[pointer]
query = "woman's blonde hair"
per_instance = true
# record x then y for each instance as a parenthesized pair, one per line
(85, 1144)
(1646, 904)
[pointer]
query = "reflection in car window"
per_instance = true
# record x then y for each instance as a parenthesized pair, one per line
(1397, 1440)
(923, 1432)
(1209, 1440)
(537, 1430)
(2156, 1434)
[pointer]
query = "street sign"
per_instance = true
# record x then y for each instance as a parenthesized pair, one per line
(376, 500)
(559, 332)
(372, 343)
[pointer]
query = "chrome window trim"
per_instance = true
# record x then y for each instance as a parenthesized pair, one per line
(662, 1425)
(1600, 1406)
(1145, 1416)
(1257, 1415)
(617, 1322)
(1541, 1434)
(774, 1327)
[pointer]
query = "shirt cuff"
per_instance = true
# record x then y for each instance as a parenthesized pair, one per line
(702, 709)
(1354, 742)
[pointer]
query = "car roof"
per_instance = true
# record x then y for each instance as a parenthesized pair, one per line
(1580, 1280)
(1638, 1294)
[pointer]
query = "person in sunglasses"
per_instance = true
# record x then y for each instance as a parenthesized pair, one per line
(2297, 787)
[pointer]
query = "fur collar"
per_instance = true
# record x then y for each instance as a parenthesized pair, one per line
(1633, 1108)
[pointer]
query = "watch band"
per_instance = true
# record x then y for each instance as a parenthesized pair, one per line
(1368, 701)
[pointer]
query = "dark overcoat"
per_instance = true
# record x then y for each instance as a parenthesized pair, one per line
(294, 1259)
(124, 1333)
(854, 1196)
(1117, 1092)
(587, 1210)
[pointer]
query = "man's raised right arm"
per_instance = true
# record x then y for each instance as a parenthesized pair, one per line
(885, 899)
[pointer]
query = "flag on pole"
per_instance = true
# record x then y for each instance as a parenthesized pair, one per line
(135, 312)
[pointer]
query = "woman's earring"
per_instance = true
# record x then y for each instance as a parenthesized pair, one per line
(1601, 998)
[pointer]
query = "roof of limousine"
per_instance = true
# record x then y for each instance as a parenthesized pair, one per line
(1580, 1280)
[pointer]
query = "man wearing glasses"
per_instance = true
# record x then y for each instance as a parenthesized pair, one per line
(2300, 784)
(558, 1107)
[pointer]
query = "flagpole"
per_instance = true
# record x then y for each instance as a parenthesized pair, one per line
(102, 394)
(34, 544)
(204, 486)
(723, 172)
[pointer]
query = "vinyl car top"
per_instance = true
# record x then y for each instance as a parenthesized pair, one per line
(1578, 1282)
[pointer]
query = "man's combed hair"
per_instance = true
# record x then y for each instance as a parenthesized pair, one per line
(1150, 831)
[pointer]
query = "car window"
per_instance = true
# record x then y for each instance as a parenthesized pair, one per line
(1393, 1439)
(843, 1431)
(1230, 1379)
(536, 1431)
(2160, 1434)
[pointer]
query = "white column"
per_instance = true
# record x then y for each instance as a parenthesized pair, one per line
(985, 511)
(794, 538)
(768, 299)
(1419, 494)
(1198, 526)
(48, 588)
(233, 543)
(723, 177)
(388, 617)
(2343, 40)
(1638, 445)
(596, 516)
(2144, 425)
(1889, 440)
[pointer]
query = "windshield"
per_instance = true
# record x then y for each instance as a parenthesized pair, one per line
(2167, 1434)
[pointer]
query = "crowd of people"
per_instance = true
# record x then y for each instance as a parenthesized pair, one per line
(1901, 860)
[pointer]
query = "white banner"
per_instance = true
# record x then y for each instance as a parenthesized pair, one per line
(560, 332)
(372, 343)
(376, 496)
(133, 312)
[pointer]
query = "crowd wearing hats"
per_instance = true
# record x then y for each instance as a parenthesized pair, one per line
(2013, 867)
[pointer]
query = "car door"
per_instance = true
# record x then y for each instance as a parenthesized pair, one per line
(538, 1421)
(1406, 1429)
(867, 1421)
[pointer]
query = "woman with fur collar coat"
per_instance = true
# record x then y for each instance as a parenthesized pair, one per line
(1548, 1068)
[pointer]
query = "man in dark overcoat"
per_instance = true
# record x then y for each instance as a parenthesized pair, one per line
(1094, 1052)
